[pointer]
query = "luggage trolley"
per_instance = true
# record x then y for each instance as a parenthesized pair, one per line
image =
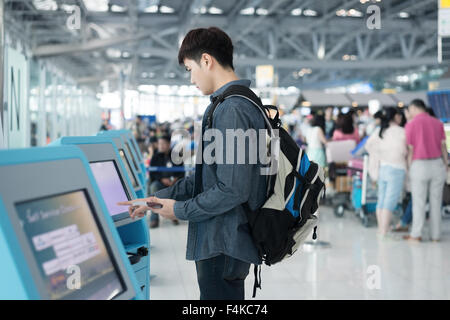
(338, 154)
(364, 191)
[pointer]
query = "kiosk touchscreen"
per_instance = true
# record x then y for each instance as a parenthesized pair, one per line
(56, 237)
(111, 186)
(111, 171)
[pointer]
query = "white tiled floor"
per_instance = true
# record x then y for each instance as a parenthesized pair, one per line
(345, 270)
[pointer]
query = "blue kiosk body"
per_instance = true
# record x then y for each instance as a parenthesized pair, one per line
(123, 142)
(57, 240)
(115, 185)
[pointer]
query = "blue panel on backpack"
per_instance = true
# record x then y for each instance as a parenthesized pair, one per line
(304, 164)
(290, 204)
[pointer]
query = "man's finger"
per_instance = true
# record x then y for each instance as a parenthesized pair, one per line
(125, 203)
(153, 199)
(157, 210)
(140, 211)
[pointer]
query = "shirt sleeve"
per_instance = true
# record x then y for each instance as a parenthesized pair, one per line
(372, 142)
(233, 179)
(336, 135)
(356, 134)
(181, 190)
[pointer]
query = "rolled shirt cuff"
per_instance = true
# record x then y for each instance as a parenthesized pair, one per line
(179, 210)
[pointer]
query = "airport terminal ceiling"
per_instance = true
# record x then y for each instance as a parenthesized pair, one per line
(312, 44)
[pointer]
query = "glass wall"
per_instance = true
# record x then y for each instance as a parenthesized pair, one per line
(58, 107)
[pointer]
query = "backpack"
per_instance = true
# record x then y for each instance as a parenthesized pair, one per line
(289, 213)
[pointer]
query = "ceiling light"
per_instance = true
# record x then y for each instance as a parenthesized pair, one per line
(151, 9)
(341, 13)
(262, 12)
(116, 8)
(96, 5)
(248, 11)
(310, 13)
(113, 53)
(67, 8)
(354, 13)
(45, 5)
(166, 9)
(403, 15)
(214, 10)
(297, 12)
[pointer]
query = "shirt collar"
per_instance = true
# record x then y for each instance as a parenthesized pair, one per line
(241, 82)
(421, 115)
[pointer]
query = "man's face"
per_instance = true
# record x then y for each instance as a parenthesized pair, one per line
(412, 110)
(163, 145)
(200, 75)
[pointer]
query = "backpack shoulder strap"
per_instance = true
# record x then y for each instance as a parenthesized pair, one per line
(247, 93)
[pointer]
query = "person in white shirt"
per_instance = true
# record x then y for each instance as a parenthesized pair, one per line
(316, 140)
(388, 145)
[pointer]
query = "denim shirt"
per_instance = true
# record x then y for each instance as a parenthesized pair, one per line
(217, 219)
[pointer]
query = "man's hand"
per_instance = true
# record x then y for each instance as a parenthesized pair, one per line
(138, 207)
(167, 208)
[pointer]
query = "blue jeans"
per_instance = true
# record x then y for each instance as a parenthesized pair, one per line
(407, 215)
(221, 278)
(390, 186)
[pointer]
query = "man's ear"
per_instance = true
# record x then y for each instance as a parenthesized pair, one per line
(207, 59)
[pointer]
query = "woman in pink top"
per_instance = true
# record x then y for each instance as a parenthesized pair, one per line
(345, 130)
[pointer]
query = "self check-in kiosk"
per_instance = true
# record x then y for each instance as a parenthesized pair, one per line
(57, 240)
(125, 144)
(115, 186)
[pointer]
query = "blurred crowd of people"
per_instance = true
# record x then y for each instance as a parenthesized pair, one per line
(408, 154)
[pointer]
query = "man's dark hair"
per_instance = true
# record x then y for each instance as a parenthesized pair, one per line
(165, 137)
(419, 104)
(431, 112)
(210, 40)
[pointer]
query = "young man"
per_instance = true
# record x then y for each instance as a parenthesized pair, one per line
(213, 202)
(427, 159)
